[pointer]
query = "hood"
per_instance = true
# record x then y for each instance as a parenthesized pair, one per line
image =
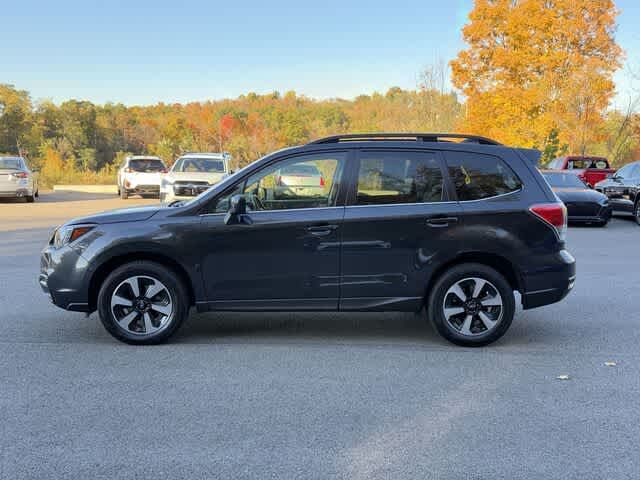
(211, 177)
(579, 195)
(136, 214)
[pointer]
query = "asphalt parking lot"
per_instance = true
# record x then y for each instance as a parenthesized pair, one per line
(345, 396)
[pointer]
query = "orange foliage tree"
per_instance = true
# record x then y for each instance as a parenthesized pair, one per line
(535, 67)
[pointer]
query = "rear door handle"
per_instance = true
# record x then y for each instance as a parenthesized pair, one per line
(441, 222)
(321, 230)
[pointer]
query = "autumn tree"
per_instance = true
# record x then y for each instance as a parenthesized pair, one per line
(535, 66)
(15, 113)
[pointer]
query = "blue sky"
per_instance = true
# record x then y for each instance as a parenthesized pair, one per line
(142, 52)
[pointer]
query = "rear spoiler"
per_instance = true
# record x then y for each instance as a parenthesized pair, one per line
(532, 155)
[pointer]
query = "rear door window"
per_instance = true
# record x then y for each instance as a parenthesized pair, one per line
(476, 176)
(386, 177)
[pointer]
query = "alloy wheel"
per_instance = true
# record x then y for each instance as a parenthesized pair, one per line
(473, 306)
(142, 305)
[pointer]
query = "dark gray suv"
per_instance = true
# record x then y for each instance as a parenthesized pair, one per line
(452, 224)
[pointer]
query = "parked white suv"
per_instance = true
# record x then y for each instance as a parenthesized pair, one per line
(140, 175)
(192, 174)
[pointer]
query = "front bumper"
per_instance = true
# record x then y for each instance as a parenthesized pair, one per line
(143, 189)
(603, 216)
(62, 278)
(550, 282)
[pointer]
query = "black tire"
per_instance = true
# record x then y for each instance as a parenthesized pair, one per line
(436, 299)
(175, 287)
(636, 211)
(37, 194)
(124, 194)
(29, 198)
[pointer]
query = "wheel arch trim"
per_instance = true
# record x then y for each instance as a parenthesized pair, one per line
(117, 259)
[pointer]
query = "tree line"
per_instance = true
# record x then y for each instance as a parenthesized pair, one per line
(534, 73)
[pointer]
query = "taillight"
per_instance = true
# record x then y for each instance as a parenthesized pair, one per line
(20, 175)
(322, 181)
(554, 214)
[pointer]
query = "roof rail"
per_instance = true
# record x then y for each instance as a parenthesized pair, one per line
(417, 137)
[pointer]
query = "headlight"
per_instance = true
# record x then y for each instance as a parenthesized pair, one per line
(68, 234)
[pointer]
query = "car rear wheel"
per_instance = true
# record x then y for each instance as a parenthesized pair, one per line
(142, 303)
(636, 212)
(123, 194)
(30, 198)
(471, 305)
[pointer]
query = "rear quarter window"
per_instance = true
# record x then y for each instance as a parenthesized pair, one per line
(476, 176)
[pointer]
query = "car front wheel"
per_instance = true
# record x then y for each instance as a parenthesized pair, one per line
(636, 212)
(142, 303)
(471, 305)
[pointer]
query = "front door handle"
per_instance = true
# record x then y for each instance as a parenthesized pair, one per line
(441, 222)
(321, 230)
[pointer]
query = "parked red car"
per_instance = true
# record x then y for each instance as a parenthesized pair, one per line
(591, 170)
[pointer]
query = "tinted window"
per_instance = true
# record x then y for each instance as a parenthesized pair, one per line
(476, 176)
(146, 165)
(305, 181)
(398, 177)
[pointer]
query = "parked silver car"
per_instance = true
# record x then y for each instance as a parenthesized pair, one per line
(192, 174)
(17, 180)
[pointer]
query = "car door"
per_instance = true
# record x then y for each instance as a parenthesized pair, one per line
(397, 224)
(285, 253)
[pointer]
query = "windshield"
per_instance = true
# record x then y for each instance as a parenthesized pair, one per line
(199, 165)
(563, 180)
(580, 163)
(11, 163)
(146, 165)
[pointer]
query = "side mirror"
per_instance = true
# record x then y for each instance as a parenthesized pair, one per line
(237, 212)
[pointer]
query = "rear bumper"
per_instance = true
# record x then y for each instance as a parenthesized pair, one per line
(17, 193)
(551, 282)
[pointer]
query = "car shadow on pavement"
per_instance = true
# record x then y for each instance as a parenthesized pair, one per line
(286, 326)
